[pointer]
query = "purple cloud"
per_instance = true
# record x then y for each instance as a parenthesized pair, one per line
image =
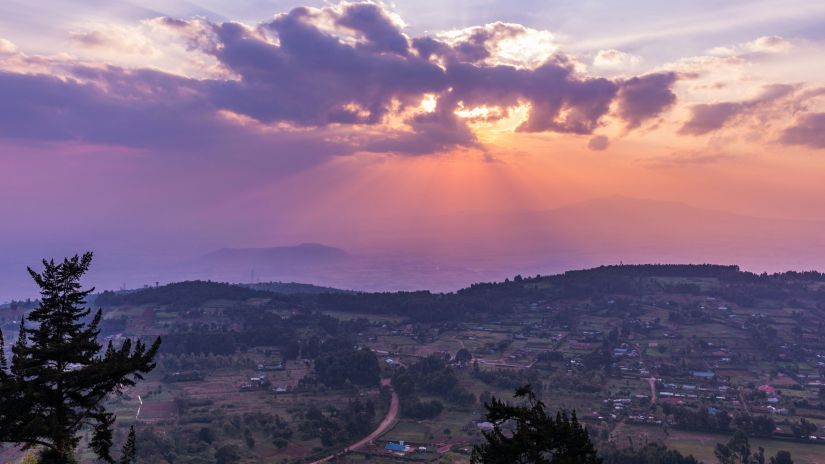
(372, 21)
(809, 132)
(303, 70)
(645, 97)
(710, 117)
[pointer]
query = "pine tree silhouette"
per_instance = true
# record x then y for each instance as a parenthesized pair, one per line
(58, 377)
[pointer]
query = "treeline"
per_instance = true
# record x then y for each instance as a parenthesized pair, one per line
(334, 426)
(299, 335)
(702, 420)
(289, 288)
(182, 295)
(340, 362)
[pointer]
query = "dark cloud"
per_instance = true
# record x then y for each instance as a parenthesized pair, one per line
(559, 100)
(302, 70)
(149, 111)
(372, 21)
(312, 78)
(645, 97)
(710, 117)
(431, 133)
(808, 131)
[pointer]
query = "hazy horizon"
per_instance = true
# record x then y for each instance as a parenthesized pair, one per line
(603, 231)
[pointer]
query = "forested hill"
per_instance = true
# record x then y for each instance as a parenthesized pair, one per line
(181, 294)
(494, 299)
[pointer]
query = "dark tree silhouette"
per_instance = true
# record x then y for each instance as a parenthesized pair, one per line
(58, 377)
(526, 434)
(463, 356)
(129, 454)
(782, 457)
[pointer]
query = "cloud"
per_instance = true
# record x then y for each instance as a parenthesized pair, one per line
(615, 59)
(710, 117)
(6, 47)
(380, 31)
(642, 98)
(760, 46)
(809, 131)
(598, 143)
(313, 71)
(148, 111)
(497, 43)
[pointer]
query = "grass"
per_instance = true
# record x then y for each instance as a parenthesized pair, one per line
(408, 431)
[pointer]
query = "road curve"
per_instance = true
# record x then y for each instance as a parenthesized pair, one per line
(385, 424)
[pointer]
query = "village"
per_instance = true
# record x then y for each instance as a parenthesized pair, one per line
(667, 366)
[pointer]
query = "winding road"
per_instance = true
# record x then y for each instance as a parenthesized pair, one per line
(385, 424)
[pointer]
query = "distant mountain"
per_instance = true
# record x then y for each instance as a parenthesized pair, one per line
(443, 253)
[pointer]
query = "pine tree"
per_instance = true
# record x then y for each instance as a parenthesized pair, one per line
(526, 434)
(129, 455)
(59, 377)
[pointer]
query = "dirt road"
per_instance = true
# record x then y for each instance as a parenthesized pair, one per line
(385, 424)
(653, 396)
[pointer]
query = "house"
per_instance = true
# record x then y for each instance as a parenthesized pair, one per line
(399, 447)
(767, 389)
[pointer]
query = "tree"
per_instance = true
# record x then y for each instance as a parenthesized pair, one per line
(59, 378)
(463, 356)
(526, 434)
(129, 455)
(738, 451)
(227, 454)
(782, 457)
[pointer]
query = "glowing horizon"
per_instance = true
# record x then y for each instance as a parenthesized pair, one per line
(182, 127)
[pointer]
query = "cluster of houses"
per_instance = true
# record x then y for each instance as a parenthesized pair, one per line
(257, 383)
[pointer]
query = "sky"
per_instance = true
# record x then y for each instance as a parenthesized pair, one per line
(154, 132)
